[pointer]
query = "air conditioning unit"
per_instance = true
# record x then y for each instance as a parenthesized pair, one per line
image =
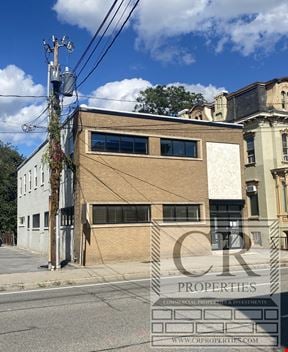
(251, 189)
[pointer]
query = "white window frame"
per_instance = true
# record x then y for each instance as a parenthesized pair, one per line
(20, 187)
(284, 138)
(25, 183)
(35, 176)
(42, 175)
(30, 180)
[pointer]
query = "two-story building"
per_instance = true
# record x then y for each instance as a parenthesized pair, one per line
(33, 200)
(133, 170)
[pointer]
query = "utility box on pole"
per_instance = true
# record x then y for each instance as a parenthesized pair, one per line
(68, 83)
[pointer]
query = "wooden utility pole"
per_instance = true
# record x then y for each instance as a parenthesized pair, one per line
(55, 154)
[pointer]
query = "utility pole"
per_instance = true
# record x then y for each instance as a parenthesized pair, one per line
(55, 154)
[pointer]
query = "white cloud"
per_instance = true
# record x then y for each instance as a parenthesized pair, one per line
(129, 89)
(246, 25)
(209, 92)
(16, 111)
(87, 14)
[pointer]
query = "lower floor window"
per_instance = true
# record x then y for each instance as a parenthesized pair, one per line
(181, 212)
(67, 216)
(257, 238)
(121, 214)
(46, 219)
(36, 221)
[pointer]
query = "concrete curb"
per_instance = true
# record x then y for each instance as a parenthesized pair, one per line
(97, 279)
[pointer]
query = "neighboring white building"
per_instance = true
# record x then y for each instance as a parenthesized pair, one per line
(33, 200)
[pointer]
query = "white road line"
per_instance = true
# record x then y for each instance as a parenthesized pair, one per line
(95, 285)
(75, 286)
(118, 283)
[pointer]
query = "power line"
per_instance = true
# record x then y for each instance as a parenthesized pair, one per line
(22, 96)
(19, 132)
(99, 98)
(95, 35)
(102, 36)
(110, 45)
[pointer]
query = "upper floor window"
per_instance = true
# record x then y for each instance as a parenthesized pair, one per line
(20, 187)
(284, 99)
(181, 212)
(285, 146)
(30, 180)
(116, 143)
(182, 148)
(35, 176)
(250, 147)
(24, 184)
(42, 175)
(121, 214)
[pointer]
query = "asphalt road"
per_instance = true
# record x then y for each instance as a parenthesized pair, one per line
(93, 318)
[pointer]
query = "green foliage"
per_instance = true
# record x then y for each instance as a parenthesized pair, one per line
(163, 100)
(10, 159)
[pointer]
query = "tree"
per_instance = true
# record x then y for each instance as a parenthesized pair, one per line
(167, 100)
(10, 159)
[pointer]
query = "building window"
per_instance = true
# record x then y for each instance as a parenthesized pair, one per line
(35, 177)
(284, 146)
(25, 184)
(257, 238)
(182, 148)
(114, 143)
(284, 99)
(67, 216)
(22, 221)
(284, 197)
(20, 187)
(254, 206)
(120, 214)
(30, 180)
(28, 222)
(181, 212)
(42, 175)
(46, 219)
(250, 149)
(36, 221)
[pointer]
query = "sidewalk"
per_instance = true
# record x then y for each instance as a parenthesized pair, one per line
(76, 275)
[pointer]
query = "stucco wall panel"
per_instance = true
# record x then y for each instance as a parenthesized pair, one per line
(224, 171)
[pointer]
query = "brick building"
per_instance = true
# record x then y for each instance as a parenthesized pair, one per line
(134, 170)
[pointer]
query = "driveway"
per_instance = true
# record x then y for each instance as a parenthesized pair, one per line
(15, 260)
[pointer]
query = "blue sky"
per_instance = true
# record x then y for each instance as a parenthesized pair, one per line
(207, 45)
